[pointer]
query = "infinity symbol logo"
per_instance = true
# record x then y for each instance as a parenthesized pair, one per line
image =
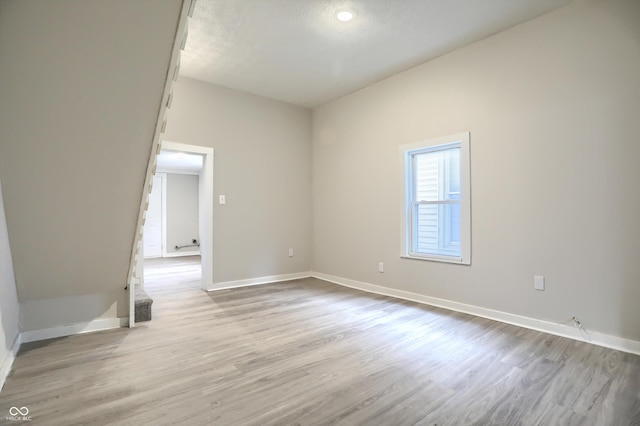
(14, 411)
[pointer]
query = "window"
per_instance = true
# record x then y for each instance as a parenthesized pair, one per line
(436, 210)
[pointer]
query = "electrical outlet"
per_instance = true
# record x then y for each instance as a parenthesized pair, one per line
(290, 252)
(380, 267)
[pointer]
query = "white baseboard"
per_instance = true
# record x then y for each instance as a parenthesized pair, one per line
(563, 330)
(257, 281)
(181, 254)
(7, 362)
(77, 328)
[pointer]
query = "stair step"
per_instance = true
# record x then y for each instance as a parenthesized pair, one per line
(142, 305)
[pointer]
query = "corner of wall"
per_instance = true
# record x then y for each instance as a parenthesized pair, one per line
(9, 308)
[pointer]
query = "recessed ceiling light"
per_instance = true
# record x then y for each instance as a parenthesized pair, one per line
(344, 16)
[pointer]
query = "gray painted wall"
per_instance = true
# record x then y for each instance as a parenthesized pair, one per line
(182, 211)
(552, 106)
(262, 158)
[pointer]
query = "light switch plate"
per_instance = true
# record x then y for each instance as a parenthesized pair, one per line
(538, 283)
(223, 199)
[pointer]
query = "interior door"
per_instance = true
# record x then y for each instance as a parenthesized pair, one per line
(152, 232)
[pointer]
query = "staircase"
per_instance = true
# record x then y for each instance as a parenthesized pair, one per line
(139, 301)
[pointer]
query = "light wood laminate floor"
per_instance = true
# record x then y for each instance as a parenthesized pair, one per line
(311, 353)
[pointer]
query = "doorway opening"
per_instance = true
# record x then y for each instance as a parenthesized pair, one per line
(177, 235)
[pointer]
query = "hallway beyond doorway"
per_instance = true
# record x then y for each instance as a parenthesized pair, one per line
(169, 275)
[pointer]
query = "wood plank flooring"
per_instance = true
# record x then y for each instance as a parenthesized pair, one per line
(308, 352)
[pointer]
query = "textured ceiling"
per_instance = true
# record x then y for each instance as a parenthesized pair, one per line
(298, 52)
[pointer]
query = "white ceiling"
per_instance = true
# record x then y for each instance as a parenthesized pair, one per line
(298, 52)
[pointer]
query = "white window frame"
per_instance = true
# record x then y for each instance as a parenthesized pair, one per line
(406, 152)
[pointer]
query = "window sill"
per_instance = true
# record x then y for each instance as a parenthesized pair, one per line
(454, 260)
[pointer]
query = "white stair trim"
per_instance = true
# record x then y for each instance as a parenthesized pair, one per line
(167, 95)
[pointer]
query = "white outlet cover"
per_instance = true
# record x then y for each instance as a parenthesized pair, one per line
(538, 283)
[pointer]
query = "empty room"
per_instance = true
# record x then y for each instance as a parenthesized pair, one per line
(410, 212)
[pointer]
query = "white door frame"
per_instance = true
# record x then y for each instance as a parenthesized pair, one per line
(205, 205)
